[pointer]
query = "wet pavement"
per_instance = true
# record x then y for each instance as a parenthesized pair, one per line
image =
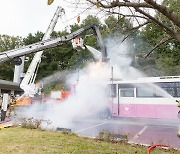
(138, 131)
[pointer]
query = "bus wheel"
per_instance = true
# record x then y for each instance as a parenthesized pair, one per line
(179, 115)
(105, 114)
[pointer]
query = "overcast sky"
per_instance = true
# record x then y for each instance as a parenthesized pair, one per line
(21, 17)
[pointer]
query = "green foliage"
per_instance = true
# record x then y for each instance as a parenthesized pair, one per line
(111, 136)
(166, 57)
(169, 58)
(29, 40)
(117, 25)
(8, 43)
(74, 27)
(55, 59)
(31, 123)
(22, 141)
(58, 58)
(60, 86)
(33, 39)
(173, 6)
(48, 88)
(91, 20)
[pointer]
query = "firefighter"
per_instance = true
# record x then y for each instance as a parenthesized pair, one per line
(12, 104)
(5, 102)
(178, 105)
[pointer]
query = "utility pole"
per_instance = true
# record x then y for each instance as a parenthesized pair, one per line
(112, 87)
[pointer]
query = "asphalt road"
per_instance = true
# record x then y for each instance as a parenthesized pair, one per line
(140, 131)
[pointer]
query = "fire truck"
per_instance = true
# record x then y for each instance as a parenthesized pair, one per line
(15, 55)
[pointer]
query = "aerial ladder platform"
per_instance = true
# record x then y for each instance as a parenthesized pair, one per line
(27, 83)
(51, 43)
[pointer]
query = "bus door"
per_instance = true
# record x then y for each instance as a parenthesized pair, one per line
(126, 106)
(113, 99)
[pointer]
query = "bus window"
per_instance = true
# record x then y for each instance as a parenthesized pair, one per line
(145, 92)
(171, 91)
(178, 92)
(173, 88)
(127, 92)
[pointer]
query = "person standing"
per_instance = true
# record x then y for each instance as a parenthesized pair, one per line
(5, 103)
(12, 104)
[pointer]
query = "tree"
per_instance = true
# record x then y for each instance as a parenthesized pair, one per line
(29, 40)
(8, 43)
(160, 31)
(91, 20)
(167, 55)
(54, 59)
(137, 10)
(117, 25)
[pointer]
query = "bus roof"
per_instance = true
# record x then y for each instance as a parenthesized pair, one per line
(150, 80)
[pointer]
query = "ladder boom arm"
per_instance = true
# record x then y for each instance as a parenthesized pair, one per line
(27, 83)
(50, 43)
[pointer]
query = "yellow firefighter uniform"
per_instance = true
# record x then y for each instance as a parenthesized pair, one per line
(12, 105)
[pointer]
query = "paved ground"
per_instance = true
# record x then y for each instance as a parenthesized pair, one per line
(142, 131)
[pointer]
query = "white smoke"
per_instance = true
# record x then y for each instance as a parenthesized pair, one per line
(55, 78)
(120, 55)
(90, 94)
(89, 97)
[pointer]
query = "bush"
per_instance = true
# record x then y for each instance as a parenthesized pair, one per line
(31, 123)
(111, 137)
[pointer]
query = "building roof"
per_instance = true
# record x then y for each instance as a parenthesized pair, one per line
(9, 85)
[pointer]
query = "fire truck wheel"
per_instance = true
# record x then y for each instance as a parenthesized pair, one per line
(105, 114)
(179, 115)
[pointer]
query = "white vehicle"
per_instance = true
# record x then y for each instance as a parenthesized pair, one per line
(151, 97)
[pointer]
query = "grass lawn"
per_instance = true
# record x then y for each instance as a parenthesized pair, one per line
(16, 140)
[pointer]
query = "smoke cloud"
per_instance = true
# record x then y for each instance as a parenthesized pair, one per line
(90, 94)
(121, 56)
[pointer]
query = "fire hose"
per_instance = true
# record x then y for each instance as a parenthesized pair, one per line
(154, 146)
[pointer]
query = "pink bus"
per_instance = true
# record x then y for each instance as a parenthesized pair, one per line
(150, 97)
